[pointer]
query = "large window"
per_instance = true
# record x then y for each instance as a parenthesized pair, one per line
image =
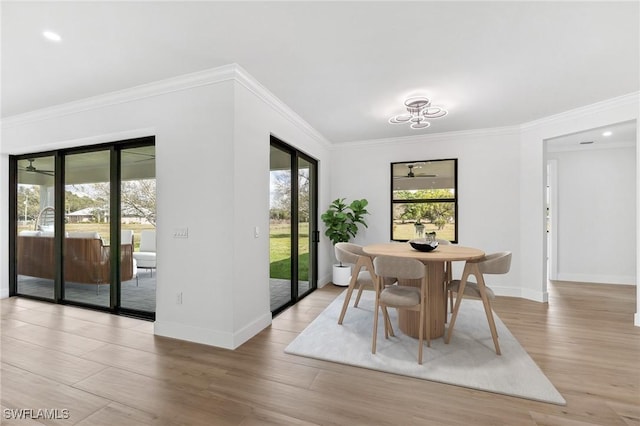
(424, 199)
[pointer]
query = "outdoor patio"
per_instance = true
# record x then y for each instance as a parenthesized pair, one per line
(140, 297)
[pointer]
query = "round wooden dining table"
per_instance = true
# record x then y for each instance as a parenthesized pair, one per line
(434, 262)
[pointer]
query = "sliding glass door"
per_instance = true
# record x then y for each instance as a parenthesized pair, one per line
(83, 226)
(87, 229)
(34, 213)
(138, 228)
(293, 233)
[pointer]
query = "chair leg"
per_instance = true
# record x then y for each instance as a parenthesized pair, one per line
(427, 317)
(459, 295)
(446, 303)
(421, 331)
(347, 297)
(388, 328)
(375, 325)
(391, 332)
(360, 288)
(447, 280)
(489, 313)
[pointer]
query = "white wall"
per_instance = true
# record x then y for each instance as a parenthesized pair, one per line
(596, 215)
(488, 185)
(211, 178)
(255, 120)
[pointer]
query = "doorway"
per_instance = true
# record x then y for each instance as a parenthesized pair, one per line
(293, 235)
(592, 199)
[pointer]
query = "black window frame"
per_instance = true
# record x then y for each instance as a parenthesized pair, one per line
(393, 201)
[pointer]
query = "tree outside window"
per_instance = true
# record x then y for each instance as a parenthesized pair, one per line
(424, 199)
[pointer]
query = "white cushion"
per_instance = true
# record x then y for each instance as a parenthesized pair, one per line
(30, 233)
(145, 259)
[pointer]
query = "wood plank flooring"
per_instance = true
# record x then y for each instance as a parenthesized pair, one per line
(110, 370)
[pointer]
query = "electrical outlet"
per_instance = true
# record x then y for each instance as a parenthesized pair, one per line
(256, 232)
(179, 298)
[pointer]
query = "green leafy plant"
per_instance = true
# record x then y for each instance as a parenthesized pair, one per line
(342, 219)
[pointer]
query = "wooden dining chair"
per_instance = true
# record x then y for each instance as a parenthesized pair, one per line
(495, 263)
(400, 296)
(362, 275)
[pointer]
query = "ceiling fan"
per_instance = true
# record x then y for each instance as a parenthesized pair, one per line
(146, 157)
(33, 169)
(412, 174)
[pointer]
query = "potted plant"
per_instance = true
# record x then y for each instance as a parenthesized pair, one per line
(341, 220)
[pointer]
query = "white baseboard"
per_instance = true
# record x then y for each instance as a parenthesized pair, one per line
(636, 320)
(4, 293)
(211, 337)
(507, 291)
(322, 281)
(523, 293)
(190, 333)
(598, 279)
(538, 296)
(251, 329)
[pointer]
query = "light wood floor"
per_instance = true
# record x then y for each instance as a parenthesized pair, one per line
(109, 370)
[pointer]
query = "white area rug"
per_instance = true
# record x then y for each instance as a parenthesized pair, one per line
(469, 360)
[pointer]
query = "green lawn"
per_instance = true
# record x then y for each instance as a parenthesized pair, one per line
(280, 251)
(407, 231)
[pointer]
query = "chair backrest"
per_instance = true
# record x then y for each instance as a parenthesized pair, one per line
(495, 263)
(398, 267)
(148, 241)
(45, 220)
(348, 252)
(126, 236)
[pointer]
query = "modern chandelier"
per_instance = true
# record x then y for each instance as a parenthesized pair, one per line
(419, 110)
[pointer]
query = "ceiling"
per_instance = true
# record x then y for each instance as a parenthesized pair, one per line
(613, 135)
(344, 67)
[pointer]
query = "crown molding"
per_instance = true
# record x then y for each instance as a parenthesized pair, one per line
(231, 72)
(255, 87)
(630, 99)
(431, 137)
(160, 87)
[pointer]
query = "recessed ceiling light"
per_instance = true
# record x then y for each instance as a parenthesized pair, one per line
(50, 35)
(607, 133)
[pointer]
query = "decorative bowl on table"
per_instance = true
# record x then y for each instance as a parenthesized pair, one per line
(422, 244)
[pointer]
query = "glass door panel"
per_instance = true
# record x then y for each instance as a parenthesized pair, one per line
(87, 228)
(306, 195)
(35, 248)
(280, 235)
(138, 227)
